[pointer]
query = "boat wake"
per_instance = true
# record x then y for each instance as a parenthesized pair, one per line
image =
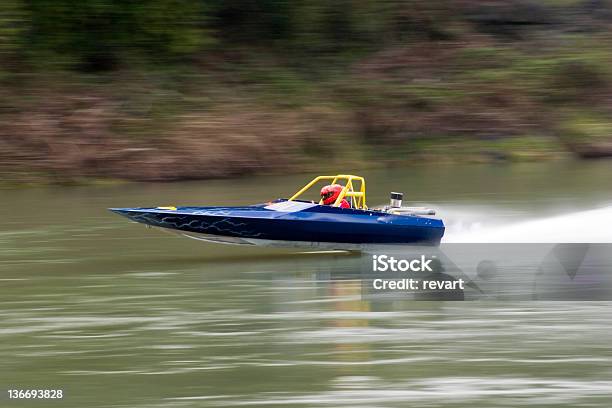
(469, 226)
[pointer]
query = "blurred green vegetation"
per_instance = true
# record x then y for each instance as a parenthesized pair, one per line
(219, 84)
(97, 35)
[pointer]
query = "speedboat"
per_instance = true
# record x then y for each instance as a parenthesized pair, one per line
(300, 223)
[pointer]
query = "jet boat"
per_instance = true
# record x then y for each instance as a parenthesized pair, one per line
(300, 223)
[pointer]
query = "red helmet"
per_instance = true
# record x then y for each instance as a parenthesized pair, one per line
(330, 193)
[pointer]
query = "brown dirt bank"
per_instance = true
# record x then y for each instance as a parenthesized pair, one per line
(75, 137)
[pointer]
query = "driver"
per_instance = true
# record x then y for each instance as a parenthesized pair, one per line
(330, 193)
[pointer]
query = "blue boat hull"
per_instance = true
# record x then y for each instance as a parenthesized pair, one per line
(283, 223)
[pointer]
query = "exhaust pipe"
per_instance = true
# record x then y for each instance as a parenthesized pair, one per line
(396, 199)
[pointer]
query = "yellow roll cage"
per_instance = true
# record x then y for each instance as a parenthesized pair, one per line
(349, 190)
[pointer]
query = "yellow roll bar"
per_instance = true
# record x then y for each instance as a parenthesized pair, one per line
(349, 190)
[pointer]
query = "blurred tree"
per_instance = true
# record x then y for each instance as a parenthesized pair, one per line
(320, 26)
(98, 34)
(304, 26)
(95, 33)
(14, 21)
(251, 21)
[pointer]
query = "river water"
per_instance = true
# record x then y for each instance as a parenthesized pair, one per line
(117, 315)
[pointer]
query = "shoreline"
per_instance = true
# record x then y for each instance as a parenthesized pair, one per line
(420, 160)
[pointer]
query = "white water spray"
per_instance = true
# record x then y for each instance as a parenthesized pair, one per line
(591, 226)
